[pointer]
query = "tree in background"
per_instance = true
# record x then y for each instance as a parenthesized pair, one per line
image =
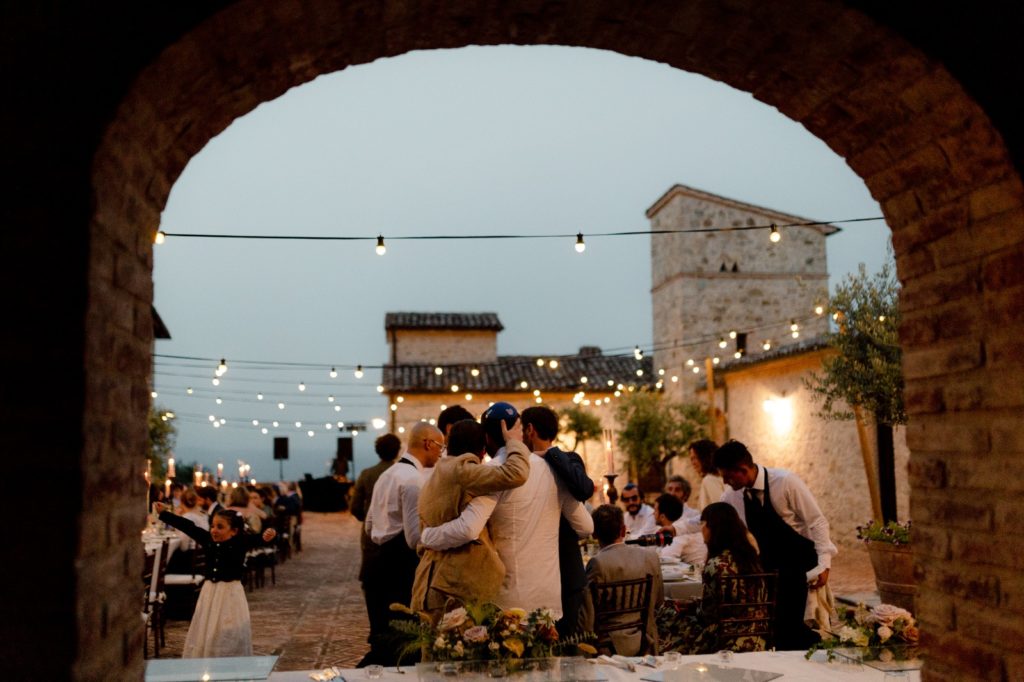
(162, 436)
(655, 429)
(863, 380)
(582, 424)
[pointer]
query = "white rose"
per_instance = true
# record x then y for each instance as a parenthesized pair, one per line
(884, 632)
(887, 614)
(452, 619)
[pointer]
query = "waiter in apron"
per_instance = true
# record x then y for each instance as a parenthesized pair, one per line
(792, 533)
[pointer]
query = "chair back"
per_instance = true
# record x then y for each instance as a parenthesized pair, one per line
(746, 609)
(153, 573)
(621, 605)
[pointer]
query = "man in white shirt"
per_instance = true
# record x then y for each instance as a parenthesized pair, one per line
(689, 522)
(687, 546)
(790, 529)
(639, 517)
(393, 524)
(523, 525)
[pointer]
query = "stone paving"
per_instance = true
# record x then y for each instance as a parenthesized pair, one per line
(315, 616)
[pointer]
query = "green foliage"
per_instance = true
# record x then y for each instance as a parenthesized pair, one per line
(866, 370)
(893, 532)
(582, 424)
(656, 429)
(162, 436)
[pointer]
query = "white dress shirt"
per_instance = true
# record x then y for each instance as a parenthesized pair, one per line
(689, 522)
(711, 489)
(198, 517)
(394, 507)
(689, 547)
(524, 529)
(643, 523)
(795, 505)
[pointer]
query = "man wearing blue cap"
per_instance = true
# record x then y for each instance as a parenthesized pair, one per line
(523, 524)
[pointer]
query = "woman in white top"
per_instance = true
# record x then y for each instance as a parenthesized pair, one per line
(702, 453)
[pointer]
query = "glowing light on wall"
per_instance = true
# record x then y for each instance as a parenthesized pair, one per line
(780, 410)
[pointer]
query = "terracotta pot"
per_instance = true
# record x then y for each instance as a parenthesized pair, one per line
(894, 573)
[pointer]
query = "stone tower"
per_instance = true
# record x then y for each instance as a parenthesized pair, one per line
(708, 284)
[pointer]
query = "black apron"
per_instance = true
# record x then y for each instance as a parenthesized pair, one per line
(792, 555)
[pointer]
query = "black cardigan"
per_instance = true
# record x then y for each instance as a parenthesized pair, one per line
(225, 561)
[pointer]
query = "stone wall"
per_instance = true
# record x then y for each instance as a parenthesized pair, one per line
(442, 346)
(695, 304)
(825, 454)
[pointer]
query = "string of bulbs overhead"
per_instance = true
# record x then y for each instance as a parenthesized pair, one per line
(774, 234)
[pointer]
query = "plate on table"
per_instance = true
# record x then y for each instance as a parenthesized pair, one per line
(710, 671)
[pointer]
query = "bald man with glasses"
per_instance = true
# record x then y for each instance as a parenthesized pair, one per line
(393, 524)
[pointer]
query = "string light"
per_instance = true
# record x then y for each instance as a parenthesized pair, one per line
(469, 397)
(394, 407)
(774, 235)
(438, 371)
(189, 390)
(337, 408)
(264, 430)
(580, 246)
(583, 380)
(689, 363)
(160, 237)
(215, 381)
(298, 425)
(400, 399)
(524, 384)
(553, 364)
(380, 388)
(219, 401)
(455, 388)
(255, 422)
(333, 373)
(540, 362)
(310, 433)
(280, 406)
(675, 379)
(715, 360)
(737, 355)
(275, 424)
(153, 394)
(330, 398)
(222, 368)
(381, 249)
(639, 372)
(302, 386)
(638, 354)
(475, 372)
(722, 343)
(359, 372)
(661, 371)
(767, 345)
(819, 309)
(696, 370)
(259, 396)
(732, 334)
(536, 391)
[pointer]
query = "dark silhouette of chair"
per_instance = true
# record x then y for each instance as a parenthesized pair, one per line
(153, 571)
(746, 608)
(622, 605)
(192, 580)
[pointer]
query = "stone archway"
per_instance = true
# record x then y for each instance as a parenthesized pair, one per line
(928, 153)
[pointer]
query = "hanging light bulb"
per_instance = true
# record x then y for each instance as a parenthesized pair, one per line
(264, 430)
(793, 326)
(639, 372)
(189, 390)
(394, 407)
(661, 371)
(259, 396)
(302, 386)
(583, 380)
(524, 384)
(732, 333)
(580, 246)
(255, 422)
(298, 425)
(333, 373)
(611, 382)
(795, 334)
(675, 379)
(738, 354)
(381, 249)
(540, 362)
(475, 372)
(443, 408)
(222, 368)
(819, 310)
(380, 388)
(400, 399)
(359, 372)
(715, 360)
(276, 424)
(637, 353)
(215, 381)
(160, 237)
(455, 388)
(767, 345)
(330, 398)
(469, 397)
(553, 364)
(310, 433)
(696, 370)
(280, 406)
(536, 391)
(774, 235)
(722, 343)
(689, 363)
(337, 408)
(219, 401)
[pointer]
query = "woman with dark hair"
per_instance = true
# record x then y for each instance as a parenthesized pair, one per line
(692, 627)
(702, 457)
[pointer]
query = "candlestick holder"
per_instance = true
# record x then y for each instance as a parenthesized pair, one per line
(612, 494)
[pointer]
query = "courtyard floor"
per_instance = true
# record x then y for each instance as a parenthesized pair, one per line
(315, 616)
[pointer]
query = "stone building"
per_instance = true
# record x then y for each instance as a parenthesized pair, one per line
(718, 293)
(441, 359)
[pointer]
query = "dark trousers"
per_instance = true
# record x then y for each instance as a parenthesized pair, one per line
(388, 581)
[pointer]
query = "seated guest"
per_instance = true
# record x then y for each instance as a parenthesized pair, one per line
(618, 561)
(240, 502)
(689, 547)
(639, 517)
(692, 626)
(181, 560)
(689, 522)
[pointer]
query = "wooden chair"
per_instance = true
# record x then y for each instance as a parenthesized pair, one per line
(747, 609)
(153, 574)
(620, 606)
(193, 579)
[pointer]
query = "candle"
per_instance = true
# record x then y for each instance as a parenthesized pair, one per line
(220, 469)
(170, 467)
(167, 489)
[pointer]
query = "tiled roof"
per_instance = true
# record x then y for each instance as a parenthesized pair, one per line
(442, 321)
(506, 374)
(790, 349)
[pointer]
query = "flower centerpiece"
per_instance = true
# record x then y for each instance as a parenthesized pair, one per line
(884, 632)
(893, 532)
(485, 632)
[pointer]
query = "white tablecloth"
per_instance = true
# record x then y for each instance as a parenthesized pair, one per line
(790, 664)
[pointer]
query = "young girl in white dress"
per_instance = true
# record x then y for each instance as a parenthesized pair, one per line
(220, 625)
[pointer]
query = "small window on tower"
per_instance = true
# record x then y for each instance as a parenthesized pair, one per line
(735, 267)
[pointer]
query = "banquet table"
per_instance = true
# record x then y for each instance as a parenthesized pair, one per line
(680, 582)
(151, 539)
(791, 665)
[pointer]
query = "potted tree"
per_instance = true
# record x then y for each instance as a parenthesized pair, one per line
(655, 429)
(863, 382)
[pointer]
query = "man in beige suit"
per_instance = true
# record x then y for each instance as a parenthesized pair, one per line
(619, 561)
(472, 572)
